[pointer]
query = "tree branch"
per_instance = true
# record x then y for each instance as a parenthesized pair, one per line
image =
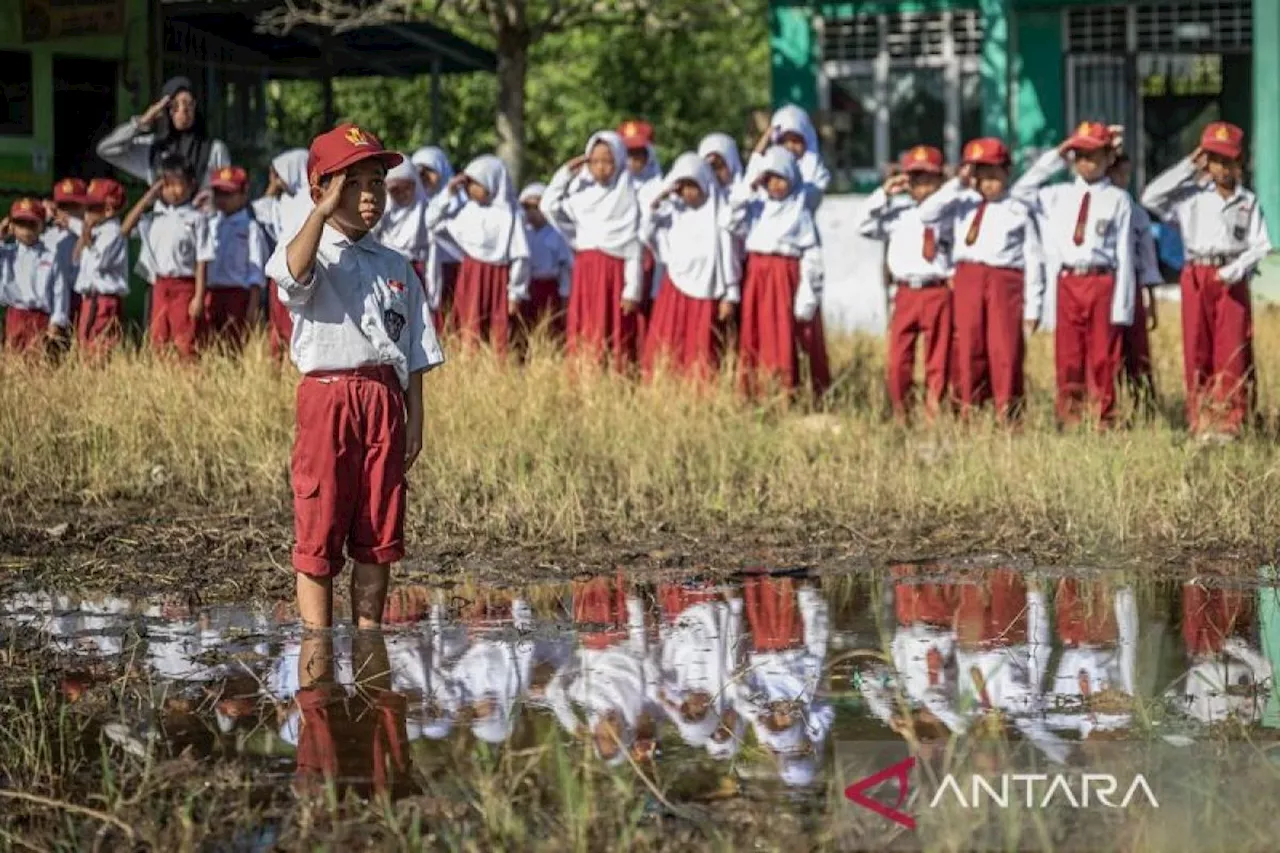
(335, 15)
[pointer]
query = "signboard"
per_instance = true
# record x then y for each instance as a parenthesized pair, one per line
(51, 19)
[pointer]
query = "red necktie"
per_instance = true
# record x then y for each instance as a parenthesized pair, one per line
(1081, 220)
(933, 660)
(930, 245)
(974, 227)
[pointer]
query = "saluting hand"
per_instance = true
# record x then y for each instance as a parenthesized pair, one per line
(458, 182)
(332, 197)
(965, 174)
(897, 184)
(154, 111)
(577, 163)
(1200, 158)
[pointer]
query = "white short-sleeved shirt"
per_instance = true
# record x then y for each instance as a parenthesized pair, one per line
(174, 240)
(32, 279)
(240, 251)
(363, 305)
(897, 221)
(104, 262)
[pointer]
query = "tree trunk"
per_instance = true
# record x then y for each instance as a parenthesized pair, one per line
(513, 67)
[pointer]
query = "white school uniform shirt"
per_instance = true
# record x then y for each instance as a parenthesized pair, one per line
(1106, 668)
(898, 222)
(174, 240)
(104, 261)
(786, 228)
(240, 252)
(499, 669)
(31, 278)
(1210, 224)
(443, 221)
(63, 242)
(1108, 229)
(1007, 237)
(550, 257)
(361, 306)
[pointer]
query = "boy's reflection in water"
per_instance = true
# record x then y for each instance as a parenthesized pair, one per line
(351, 735)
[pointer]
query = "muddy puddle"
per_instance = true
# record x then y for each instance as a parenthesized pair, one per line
(765, 695)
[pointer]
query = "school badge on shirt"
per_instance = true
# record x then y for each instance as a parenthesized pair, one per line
(394, 322)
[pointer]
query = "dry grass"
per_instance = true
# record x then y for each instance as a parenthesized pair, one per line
(543, 455)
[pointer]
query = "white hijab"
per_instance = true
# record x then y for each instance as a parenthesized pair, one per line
(697, 250)
(431, 157)
(793, 119)
(295, 206)
(534, 190)
(723, 145)
(492, 233)
(607, 216)
(401, 226)
(785, 226)
(652, 170)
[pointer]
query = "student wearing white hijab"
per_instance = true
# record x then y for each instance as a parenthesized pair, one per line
(686, 224)
(791, 129)
(783, 279)
(282, 219)
(403, 224)
(478, 214)
(721, 153)
(550, 266)
(444, 260)
(598, 210)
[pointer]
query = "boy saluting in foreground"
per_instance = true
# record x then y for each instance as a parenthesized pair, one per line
(362, 340)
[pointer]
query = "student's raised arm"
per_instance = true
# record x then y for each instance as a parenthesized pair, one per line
(1047, 165)
(943, 204)
(445, 205)
(877, 210)
(293, 267)
(138, 210)
(1172, 186)
(554, 204)
(128, 147)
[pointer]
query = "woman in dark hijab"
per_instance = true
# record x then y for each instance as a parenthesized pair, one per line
(170, 125)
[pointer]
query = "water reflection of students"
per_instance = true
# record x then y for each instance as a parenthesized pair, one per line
(1002, 651)
(777, 690)
(603, 690)
(1094, 684)
(699, 638)
(351, 734)
(421, 660)
(922, 654)
(495, 670)
(1228, 678)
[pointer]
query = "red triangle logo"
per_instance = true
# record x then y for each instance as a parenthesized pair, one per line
(857, 792)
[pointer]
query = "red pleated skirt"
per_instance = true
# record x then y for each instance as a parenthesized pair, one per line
(683, 334)
(479, 310)
(596, 324)
(768, 339)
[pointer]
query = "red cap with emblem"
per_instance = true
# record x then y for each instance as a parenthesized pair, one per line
(1223, 139)
(69, 190)
(922, 158)
(636, 133)
(230, 179)
(105, 191)
(1091, 136)
(343, 146)
(27, 210)
(987, 151)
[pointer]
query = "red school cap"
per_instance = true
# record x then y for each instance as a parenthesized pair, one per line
(922, 158)
(230, 179)
(1091, 136)
(636, 133)
(987, 151)
(1223, 139)
(69, 190)
(104, 191)
(27, 210)
(344, 146)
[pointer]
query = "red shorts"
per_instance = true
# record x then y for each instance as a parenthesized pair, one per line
(348, 470)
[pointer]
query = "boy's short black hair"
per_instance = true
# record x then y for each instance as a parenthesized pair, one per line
(175, 163)
(1122, 157)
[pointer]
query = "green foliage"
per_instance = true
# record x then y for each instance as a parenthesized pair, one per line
(688, 81)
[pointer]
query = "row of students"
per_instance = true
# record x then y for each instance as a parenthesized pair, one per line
(970, 258)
